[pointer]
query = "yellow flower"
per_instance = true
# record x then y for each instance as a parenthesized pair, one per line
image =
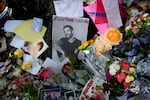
(101, 45)
(129, 78)
(84, 45)
(148, 18)
(19, 53)
(131, 70)
(26, 65)
(113, 36)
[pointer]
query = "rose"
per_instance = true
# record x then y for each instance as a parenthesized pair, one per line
(113, 36)
(26, 65)
(129, 78)
(120, 77)
(106, 86)
(131, 70)
(125, 65)
(112, 71)
(45, 74)
(108, 76)
(66, 68)
(19, 53)
(113, 68)
(126, 85)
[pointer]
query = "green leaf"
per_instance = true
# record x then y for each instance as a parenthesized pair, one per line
(72, 58)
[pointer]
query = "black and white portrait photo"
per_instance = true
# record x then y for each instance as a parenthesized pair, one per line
(67, 35)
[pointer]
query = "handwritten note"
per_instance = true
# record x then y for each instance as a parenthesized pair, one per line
(69, 8)
(112, 13)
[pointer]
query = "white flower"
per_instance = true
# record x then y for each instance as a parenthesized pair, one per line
(148, 24)
(115, 66)
(17, 72)
(112, 66)
(145, 15)
(112, 71)
(128, 28)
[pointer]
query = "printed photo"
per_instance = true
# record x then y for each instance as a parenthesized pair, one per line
(51, 94)
(67, 35)
(89, 92)
(37, 48)
(70, 95)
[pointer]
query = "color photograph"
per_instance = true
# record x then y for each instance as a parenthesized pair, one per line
(51, 94)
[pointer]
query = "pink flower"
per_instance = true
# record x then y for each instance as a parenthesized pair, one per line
(125, 65)
(120, 77)
(45, 74)
(109, 76)
(135, 29)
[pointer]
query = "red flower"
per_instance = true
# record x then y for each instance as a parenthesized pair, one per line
(45, 74)
(66, 68)
(125, 65)
(126, 85)
(132, 24)
(120, 77)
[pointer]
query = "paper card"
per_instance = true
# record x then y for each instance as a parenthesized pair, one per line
(96, 12)
(102, 27)
(35, 64)
(112, 13)
(35, 67)
(25, 31)
(37, 48)
(10, 25)
(69, 8)
(49, 63)
(90, 92)
(17, 42)
(3, 44)
(27, 57)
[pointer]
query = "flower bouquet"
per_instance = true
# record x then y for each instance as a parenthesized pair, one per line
(136, 40)
(119, 76)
